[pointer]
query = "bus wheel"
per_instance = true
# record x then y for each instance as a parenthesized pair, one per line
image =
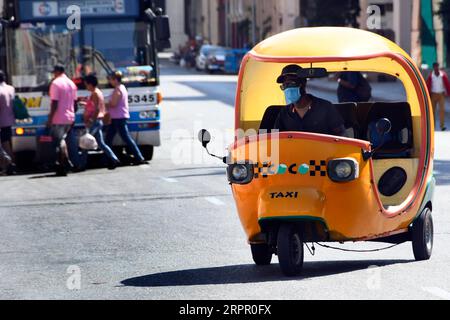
(290, 249)
(262, 256)
(422, 236)
(147, 152)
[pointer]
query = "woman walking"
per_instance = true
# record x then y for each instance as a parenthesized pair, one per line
(118, 110)
(93, 118)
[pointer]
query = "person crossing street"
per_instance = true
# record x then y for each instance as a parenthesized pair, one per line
(439, 88)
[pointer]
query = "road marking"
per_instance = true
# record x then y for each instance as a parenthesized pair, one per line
(215, 201)
(438, 292)
(170, 180)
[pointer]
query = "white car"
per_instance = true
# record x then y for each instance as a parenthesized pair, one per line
(210, 58)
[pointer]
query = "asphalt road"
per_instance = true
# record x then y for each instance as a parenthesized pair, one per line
(170, 230)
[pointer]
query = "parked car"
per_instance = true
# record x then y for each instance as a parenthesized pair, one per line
(216, 60)
(211, 58)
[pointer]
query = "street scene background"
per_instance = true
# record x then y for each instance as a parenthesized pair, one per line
(169, 229)
(166, 231)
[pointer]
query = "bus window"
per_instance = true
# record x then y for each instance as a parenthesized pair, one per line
(122, 45)
(33, 50)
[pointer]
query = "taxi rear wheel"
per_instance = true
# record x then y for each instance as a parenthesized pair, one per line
(261, 253)
(422, 233)
(290, 250)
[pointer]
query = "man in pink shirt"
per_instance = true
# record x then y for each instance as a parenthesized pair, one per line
(63, 95)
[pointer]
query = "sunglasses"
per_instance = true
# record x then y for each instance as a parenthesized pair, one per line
(292, 84)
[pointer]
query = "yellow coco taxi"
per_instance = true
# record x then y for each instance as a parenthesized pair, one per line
(292, 188)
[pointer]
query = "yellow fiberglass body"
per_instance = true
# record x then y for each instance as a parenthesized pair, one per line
(285, 185)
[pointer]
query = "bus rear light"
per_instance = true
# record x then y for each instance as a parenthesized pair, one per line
(148, 125)
(20, 131)
(159, 97)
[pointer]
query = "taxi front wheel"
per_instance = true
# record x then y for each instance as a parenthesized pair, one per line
(422, 236)
(290, 250)
(261, 253)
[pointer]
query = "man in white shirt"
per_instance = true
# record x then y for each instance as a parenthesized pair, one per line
(439, 87)
(7, 120)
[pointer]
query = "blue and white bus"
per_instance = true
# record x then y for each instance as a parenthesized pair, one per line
(85, 36)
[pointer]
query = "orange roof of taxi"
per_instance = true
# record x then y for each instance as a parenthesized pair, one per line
(325, 42)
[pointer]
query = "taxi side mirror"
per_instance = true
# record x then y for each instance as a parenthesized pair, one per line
(204, 137)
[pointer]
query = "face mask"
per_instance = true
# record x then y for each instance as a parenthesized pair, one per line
(292, 95)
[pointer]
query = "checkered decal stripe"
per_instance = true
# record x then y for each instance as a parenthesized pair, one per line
(318, 168)
(315, 169)
(262, 169)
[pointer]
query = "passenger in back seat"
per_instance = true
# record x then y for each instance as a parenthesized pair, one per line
(305, 112)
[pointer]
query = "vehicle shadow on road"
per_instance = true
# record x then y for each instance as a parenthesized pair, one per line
(251, 273)
(206, 174)
(44, 176)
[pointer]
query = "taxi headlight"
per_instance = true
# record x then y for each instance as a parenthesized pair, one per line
(240, 173)
(343, 170)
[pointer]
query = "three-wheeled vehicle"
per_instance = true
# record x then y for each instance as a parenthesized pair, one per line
(292, 188)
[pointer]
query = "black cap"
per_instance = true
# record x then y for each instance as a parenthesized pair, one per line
(59, 68)
(290, 70)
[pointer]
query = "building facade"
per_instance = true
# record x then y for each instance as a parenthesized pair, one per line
(237, 23)
(413, 25)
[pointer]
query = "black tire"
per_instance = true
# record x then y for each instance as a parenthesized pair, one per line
(147, 152)
(261, 253)
(422, 232)
(290, 250)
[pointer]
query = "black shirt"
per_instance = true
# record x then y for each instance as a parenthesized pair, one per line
(347, 94)
(322, 117)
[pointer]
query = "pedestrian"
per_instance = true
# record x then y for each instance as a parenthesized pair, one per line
(119, 113)
(7, 120)
(63, 96)
(353, 87)
(439, 87)
(94, 113)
